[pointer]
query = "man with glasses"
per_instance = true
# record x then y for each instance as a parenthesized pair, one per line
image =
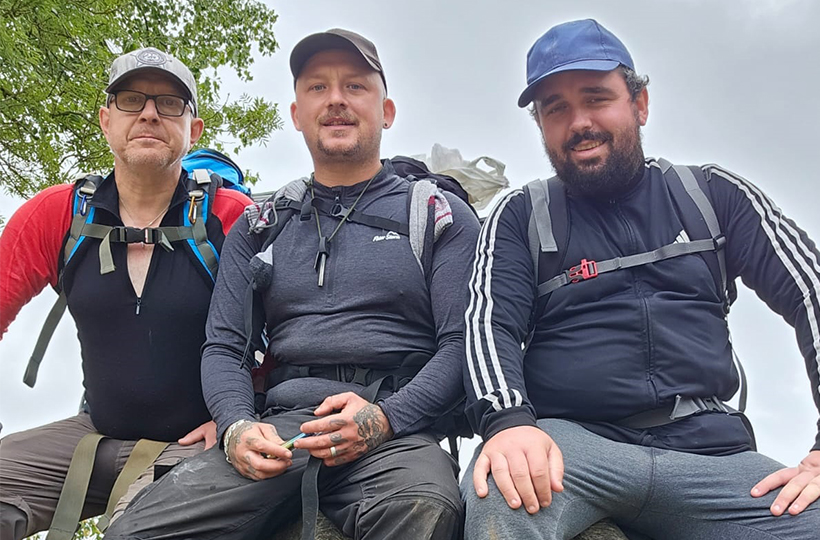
(141, 325)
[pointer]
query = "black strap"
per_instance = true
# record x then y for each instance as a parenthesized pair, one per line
(356, 216)
(683, 407)
(310, 498)
(310, 478)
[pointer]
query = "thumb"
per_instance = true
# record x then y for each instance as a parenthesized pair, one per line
(556, 465)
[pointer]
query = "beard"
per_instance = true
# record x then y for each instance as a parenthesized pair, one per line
(601, 178)
(361, 150)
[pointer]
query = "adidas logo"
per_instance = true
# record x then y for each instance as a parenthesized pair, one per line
(389, 236)
(682, 238)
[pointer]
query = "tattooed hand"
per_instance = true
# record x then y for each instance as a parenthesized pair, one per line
(355, 429)
(255, 450)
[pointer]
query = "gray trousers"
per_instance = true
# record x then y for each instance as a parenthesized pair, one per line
(406, 488)
(33, 467)
(660, 494)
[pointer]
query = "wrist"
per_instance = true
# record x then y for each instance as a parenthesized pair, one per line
(228, 437)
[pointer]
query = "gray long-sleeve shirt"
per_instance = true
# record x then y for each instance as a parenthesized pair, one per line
(374, 309)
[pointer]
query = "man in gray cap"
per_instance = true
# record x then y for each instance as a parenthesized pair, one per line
(140, 311)
(617, 274)
(366, 334)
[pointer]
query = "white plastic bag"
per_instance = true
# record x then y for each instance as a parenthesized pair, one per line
(480, 183)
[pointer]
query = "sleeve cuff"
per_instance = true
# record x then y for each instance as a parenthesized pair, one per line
(507, 418)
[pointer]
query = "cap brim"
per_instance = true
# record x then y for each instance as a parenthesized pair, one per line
(315, 43)
(584, 65)
(149, 69)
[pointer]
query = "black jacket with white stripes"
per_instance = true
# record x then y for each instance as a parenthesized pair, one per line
(631, 340)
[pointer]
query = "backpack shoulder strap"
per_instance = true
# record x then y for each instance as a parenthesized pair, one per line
(689, 188)
(428, 214)
(83, 216)
(266, 220)
(201, 186)
(83, 213)
(548, 229)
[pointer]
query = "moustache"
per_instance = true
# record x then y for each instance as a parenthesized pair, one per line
(343, 116)
(578, 138)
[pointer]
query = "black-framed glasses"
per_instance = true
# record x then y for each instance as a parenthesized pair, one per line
(166, 104)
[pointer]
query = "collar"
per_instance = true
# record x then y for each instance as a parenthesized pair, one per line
(383, 178)
(107, 196)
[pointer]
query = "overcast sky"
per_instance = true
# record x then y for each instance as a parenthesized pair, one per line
(731, 82)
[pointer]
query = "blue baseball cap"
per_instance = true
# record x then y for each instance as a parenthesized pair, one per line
(573, 45)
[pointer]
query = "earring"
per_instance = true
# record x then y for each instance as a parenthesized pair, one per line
(385, 125)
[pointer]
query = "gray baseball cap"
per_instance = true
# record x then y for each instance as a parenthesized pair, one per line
(151, 59)
(335, 38)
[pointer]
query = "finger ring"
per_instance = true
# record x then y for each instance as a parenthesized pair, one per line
(333, 451)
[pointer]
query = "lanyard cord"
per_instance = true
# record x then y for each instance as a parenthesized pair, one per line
(323, 252)
(344, 218)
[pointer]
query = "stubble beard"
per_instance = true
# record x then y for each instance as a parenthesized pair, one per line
(593, 178)
(361, 150)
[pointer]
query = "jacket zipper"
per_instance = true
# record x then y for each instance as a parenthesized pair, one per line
(644, 304)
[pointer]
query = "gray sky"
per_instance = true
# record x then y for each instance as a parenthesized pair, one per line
(731, 82)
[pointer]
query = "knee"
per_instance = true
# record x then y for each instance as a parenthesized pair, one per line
(414, 517)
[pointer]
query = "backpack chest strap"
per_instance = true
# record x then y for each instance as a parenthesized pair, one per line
(590, 269)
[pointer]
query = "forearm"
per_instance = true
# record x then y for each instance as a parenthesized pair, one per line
(501, 299)
(227, 387)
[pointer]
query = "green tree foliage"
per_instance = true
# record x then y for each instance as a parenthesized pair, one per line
(54, 59)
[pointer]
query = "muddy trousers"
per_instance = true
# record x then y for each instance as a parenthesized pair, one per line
(33, 467)
(406, 488)
(659, 494)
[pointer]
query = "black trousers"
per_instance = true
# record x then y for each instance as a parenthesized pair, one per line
(406, 488)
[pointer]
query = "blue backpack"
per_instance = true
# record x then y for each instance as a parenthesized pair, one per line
(207, 170)
(217, 163)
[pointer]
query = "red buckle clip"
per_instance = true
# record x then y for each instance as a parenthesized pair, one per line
(585, 270)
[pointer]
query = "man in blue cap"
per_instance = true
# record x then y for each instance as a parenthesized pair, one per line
(599, 386)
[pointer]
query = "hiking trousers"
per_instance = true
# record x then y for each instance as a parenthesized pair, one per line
(33, 467)
(406, 489)
(648, 492)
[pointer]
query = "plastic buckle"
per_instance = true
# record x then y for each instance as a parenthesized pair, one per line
(585, 270)
(151, 236)
(714, 404)
(720, 242)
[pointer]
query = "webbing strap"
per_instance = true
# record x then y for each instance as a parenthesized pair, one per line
(683, 407)
(539, 191)
(310, 478)
(200, 237)
(692, 188)
(661, 254)
(144, 454)
(74, 233)
(310, 498)
(355, 216)
(53, 319)
(72, 497)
